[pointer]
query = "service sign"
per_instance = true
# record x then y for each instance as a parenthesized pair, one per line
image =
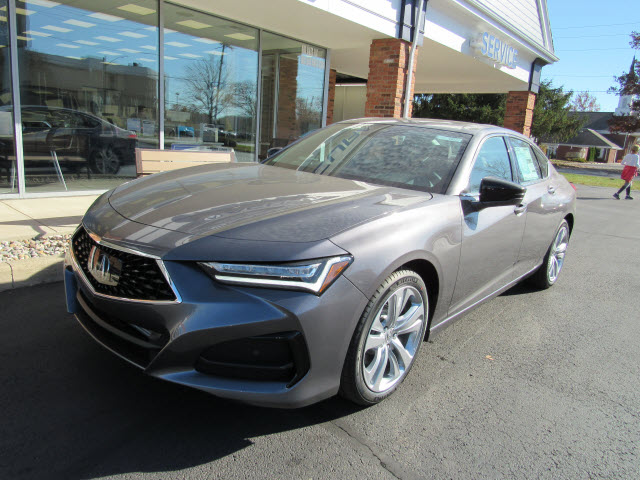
(497, 50)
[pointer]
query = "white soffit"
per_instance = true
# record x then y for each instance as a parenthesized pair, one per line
(300, 20)
(445, 62)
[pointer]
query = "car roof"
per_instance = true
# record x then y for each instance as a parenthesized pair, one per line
(450, 125)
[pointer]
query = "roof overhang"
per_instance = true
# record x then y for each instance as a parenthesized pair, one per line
(445, 62)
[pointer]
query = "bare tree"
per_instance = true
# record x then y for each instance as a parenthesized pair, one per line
(245, 97)
(208, 88)
(584, 102)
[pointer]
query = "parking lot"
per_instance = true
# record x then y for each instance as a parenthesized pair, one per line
(530, 385)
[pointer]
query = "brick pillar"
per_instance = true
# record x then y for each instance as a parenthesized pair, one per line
(388, 68)
(331, 96)
(518, 115)
(287, 127)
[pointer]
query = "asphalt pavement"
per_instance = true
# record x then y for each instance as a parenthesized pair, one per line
(532, 384)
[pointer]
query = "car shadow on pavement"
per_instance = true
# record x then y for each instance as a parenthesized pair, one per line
(522, 288)
(72, 410)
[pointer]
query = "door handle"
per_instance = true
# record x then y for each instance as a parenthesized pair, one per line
(520, 209)
(551, 189)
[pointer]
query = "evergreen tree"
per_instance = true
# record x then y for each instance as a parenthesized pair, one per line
(466, 107)
(552, 117)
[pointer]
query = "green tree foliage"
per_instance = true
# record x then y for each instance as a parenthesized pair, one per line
(629, 84)
(552, 117)
(467, 107)
(552, 120)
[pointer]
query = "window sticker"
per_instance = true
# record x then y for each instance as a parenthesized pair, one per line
(526, 163)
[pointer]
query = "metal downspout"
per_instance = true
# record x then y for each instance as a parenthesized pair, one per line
(412, 59)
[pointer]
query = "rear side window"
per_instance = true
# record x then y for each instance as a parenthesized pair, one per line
(492, 161)
(529, 170)
(543, 162)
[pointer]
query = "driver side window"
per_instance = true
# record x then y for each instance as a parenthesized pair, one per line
(492, 160)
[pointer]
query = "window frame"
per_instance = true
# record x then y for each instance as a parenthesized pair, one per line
(510, 157)
(512, 152)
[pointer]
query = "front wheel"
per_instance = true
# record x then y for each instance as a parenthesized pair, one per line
(549, 271)
(386, 340)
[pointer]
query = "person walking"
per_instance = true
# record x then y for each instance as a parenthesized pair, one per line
(631, 162)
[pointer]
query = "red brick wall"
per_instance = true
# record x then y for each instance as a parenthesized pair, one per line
(331, 96)
(287, 123)
(518, 115)
(611, 156)
(388, 68)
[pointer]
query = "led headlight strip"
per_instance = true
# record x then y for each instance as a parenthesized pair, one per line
(313, 275)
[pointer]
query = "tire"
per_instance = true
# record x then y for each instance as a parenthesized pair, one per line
(104, 161)
(385, 344)
(547, 275)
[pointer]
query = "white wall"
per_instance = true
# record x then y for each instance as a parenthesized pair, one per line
(522, 14)
(349, 102)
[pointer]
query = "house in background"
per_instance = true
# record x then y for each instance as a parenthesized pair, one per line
(579, 146)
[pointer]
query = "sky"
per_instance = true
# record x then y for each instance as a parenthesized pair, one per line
(591, 38)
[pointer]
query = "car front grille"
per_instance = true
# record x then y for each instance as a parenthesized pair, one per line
(140, 277)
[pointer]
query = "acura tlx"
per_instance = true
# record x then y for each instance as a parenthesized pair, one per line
(324, 268)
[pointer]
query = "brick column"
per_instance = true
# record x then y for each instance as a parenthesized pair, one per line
(288, 90)
(388, 69)
(518, 114)
(331, 96)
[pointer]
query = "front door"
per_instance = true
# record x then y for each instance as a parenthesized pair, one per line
(491, 237)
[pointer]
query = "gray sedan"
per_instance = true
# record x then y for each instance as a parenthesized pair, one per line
(323, 269)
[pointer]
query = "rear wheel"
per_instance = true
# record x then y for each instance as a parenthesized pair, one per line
(386, 340)
(548, 273)
(104, 161)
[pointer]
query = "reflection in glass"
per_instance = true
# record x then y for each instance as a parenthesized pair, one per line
(8, 178)
(292, 90)
(211, 67)
(416, 158)
(88, 87)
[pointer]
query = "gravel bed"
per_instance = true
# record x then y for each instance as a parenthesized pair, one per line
(23, 249)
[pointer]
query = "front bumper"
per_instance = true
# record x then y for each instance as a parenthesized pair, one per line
(168, 340)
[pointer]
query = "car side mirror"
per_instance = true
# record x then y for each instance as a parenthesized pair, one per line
(497, 192)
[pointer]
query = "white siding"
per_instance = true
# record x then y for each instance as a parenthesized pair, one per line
(521, 14)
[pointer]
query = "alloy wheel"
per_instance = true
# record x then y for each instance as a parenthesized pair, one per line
(557, 253)
(106, 162)
(393, 339)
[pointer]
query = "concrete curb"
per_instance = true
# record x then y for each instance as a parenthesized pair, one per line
(30, 272)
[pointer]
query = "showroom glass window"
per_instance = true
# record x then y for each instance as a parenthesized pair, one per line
(292, 90)
(89, 90)
(8, 178)
(211, 72)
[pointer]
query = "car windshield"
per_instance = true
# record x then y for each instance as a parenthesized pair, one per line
(406, 156)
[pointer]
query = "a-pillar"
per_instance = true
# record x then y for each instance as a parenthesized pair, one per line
(388, 72)
(518, 113)
(331, 96)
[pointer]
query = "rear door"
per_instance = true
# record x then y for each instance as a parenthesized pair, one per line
(544, 210)
(491, 237)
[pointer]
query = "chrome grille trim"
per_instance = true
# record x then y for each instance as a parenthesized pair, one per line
(78, 269)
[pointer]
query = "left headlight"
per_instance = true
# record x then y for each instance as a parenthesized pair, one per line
(312, 275)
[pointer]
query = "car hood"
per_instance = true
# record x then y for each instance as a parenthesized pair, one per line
(256, 202)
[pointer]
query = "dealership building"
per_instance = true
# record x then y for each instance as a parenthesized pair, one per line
(85, 82)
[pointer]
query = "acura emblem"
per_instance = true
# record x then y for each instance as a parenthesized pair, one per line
(105, 268)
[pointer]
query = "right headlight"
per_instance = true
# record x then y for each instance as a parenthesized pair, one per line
(311, 275)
